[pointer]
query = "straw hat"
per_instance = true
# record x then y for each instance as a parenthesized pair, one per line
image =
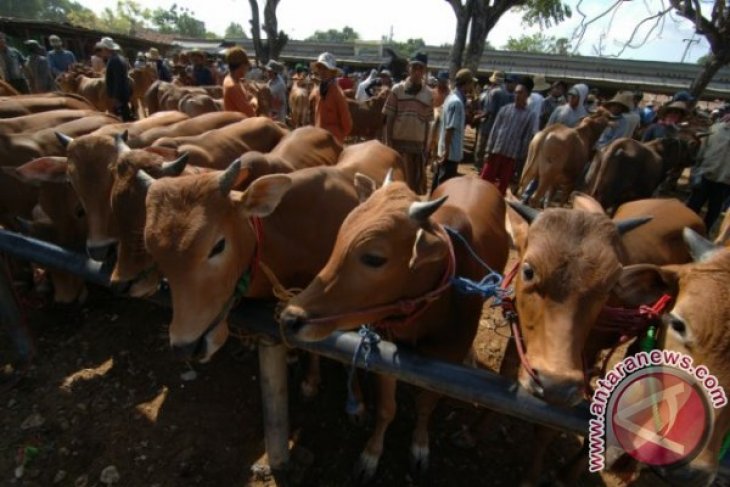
(274, 66)
(326, 61)
(108, 43)
(678, 106)
(624, 99)
(497, 77)
(540, 83)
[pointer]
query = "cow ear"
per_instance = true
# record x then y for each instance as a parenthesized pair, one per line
(264, 195)
(428, 247)
(42, 170)
(583, 202)
(517, 227)
(365, 186)
(645, 283)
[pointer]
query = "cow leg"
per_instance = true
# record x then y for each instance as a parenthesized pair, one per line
(543, 437)
(369, 458)
(567, 191)
(425, 404)
(537, 196)
(312, 379)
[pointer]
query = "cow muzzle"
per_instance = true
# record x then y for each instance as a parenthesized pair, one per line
(554, 390)
(101, 251)
(202, 349)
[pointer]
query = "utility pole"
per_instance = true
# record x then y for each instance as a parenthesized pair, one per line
(689, 42)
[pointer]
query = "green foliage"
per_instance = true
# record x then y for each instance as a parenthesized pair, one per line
(545, 13)
(235, 31)
(347, 34)
(178, 20)
(703, 60)
(409, 47)
(538, 43)
(127, 18)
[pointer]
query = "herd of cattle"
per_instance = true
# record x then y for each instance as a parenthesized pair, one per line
(222, 206)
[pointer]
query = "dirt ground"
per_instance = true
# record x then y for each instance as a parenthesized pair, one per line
(104, 396)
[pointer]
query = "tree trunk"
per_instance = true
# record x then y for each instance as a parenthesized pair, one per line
(275, 40)
(708, 71)
(463, 16)
(256, 33)
(483, 20)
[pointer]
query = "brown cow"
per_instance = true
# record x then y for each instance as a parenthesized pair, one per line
(142, 79)
(6, 89)
(194, 104)
(393, 248)
(92, 89)
(557, 156)
(192, 126)
(697, 325)
(37, 121)
(136, 128)
(217, 148)
(367, 117)
(16, 106)
(162, 95)
(202, 237)
(570, 261)
(299, 104)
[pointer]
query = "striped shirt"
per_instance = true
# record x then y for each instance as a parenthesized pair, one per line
(512, 132)
(411, 116)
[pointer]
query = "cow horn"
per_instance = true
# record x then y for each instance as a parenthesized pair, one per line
(63, 139)
(388, 177)
(421, 210)
(699, 247)
(624, 226)
(176, 167)
(527, 212)
(229, 177)
(121, 142)
(144, 179)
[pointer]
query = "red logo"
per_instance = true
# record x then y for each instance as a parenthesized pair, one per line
(660, 417)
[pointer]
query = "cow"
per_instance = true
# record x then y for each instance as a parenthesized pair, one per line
(37, 121)
(299, 103)
(394, 248)
(6, 89)
(202, 236)
(557, 155)
(136, 128)
(570, 260)
(367, 116)
(697, 325)
(16, 106)
(92, 89)
(217, 148)
(186, 127)
(162, 95)
(194, 104)
(142, 79)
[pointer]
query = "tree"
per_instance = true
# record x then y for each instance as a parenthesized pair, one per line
(538, 43)
(178, 20)
(478, 17)
(409, 47)
(235, 31)
(275, 39)
(127, 18)
(347, 34)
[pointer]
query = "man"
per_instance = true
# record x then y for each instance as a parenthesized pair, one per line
(451, 135)
(278, 91)
(501, 95)
(439, 94)
(536, 100)
(39, 69)
(330, 105)
(619, 105)
(711, 176)
(235, 97)
(670, 116)
(572, 112)
(555, 99)
(409, 111)
(163, 72)
(345, 81)
(633, 118)
(201, 74)
(117, 79)
(513, 130)
(12, 65)
(361, 93)
(59, 58)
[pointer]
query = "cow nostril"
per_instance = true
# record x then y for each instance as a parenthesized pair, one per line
(187, 351)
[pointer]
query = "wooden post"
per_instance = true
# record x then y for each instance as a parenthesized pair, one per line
(274, 397)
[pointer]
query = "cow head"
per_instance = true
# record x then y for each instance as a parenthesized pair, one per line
(698, 325)
(198, 235)
(569, 261)
(387, 249)
(89, 162)
(134, 270)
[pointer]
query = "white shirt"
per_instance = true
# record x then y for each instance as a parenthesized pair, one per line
(534, 104)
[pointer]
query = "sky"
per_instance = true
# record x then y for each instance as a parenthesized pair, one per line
(434, 21)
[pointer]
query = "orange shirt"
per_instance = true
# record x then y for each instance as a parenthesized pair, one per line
(235, 98)
(331, 112)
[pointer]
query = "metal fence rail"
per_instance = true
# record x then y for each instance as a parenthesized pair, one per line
(475, 386)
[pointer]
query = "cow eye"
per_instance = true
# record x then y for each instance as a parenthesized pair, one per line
(372, 260)
(528, 273)
(218, 248)
(677, 324)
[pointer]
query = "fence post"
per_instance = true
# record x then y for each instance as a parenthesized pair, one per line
(275, 401)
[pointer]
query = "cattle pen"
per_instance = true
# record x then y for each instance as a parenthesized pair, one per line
(467, 384)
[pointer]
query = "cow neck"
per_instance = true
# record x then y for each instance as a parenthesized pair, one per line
(403, 313)
(589, 133)
(243, 285)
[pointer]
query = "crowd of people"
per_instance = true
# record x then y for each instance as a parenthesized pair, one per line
(425, 114)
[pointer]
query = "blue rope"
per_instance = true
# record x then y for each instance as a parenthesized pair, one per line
(368, 340)
(489, 286)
